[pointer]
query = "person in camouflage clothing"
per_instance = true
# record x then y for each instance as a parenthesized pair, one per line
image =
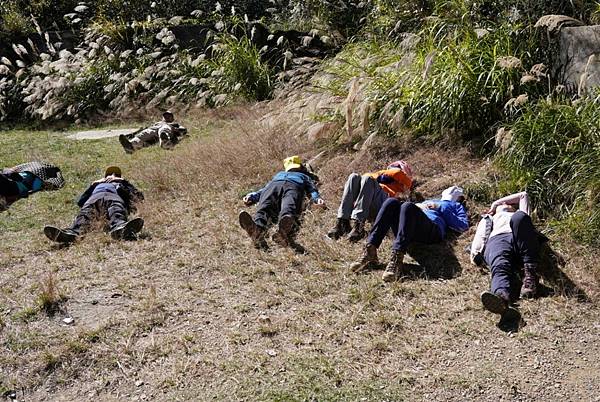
(22, 180)
(166, 133)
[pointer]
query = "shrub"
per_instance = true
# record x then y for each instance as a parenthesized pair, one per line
(554, 154)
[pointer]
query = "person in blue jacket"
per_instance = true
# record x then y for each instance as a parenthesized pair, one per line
(280, 201)
(112, 198)
(425, 222)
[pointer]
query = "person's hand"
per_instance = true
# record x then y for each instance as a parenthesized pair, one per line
(247, 200)
(319, 202)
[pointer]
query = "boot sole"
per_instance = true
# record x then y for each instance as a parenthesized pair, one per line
(281, 237)
(58, 235)
(364, 267)
(493, 303)
(129, 230)
(247, 223)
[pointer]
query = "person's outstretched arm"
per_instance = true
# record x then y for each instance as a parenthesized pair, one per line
(518, 198)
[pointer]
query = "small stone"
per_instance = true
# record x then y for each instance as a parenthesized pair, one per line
(271, 352)
(139, 383)
(68, 320)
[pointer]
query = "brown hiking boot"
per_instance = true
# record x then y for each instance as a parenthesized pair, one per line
(494, 302)
(126, 144)
(358, 231)
(284, 231)
(395, 268)
(530, 281)
(255, 232)
(342, 227)
(367, 261)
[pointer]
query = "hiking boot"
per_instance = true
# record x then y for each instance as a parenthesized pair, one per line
(530, 281)
(510, 320)
(60, 235)
(126, 144)
(255, 232)
(342, 227)
(127, 230)
(358, 231)
(494, 302)
(395, 268)
(368, 260)
(284, 231)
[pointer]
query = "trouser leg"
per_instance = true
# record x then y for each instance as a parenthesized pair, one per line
(116, 213)
(414, 225)
(368, 191)
(144, 138)
(291, 200)
(386, 218)
(269, 204)
(84, 218)
(525, 238)
(379, 198)
(500, 256)
(351, 190)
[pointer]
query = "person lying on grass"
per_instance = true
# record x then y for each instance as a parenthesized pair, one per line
(23, 180)
(363, 196)
(166, 133)
(425, 222)
(112, 198)
(280, 200)
(508, 243)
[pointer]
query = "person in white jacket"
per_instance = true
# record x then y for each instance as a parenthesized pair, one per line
(165, 132)
(506, 240)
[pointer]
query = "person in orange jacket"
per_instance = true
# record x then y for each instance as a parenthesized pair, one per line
(364, 194)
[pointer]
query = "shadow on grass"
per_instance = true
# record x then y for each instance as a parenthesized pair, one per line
(559, 283)
(434, 261)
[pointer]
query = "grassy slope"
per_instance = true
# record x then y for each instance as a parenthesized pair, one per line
(177, 315)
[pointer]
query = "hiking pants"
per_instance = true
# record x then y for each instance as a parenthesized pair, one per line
(278, 199)
(506, 252)
(362, 198)
(100, 207)
(145, 138)
(408, 223)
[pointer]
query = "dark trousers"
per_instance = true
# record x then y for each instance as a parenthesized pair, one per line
(8, 188)
(278, 199)
(114, 211)
(506, 252)
(408, 223)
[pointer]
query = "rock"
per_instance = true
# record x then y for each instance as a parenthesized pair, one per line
(139, 383)
(68, 320)
(579, 50)
(321, 131)
(271, 352)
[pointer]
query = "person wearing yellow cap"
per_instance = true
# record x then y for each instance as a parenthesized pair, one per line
(110, 197)
(281, 200)
(166, 133)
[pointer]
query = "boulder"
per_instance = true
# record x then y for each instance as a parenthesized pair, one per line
(579, 57)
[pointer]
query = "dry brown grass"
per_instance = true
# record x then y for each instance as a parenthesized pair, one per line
(180, 314)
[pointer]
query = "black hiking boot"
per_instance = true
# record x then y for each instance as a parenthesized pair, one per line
(127, 230)
(342, 227)
(126, 144)
(529, 288)
(368, 260)
(395, 268)
(60, 235)
(255, 232)
(358, 231)
(494, 302)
